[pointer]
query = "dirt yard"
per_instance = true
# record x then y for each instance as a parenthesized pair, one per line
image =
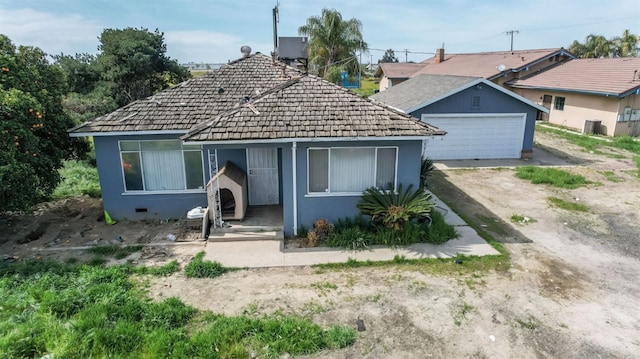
(571, 292)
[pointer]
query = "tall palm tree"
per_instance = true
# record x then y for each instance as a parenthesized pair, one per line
(627, 44)
(333, 41)
(598, 46)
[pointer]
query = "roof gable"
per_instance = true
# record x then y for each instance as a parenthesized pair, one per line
(425, 90)
(607, 77)
(309, 108)
(196, 100)
(398, 70)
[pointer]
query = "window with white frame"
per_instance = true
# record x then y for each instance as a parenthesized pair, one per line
(164, 165)
(351, 169)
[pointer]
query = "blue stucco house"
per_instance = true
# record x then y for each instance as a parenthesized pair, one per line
(482, 119)
(305, 146)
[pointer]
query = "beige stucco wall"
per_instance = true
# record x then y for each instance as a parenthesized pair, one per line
(581, 107)
(384, 83)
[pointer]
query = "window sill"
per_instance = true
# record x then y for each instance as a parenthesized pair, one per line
(138, 193)
(334, 194)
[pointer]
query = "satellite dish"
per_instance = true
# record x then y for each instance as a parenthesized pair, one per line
(501, 67)
(245, 50)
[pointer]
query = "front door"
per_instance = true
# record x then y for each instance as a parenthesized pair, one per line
(262, 169)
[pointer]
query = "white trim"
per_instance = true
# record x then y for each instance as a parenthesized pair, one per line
(334, 194)
(128, 133)
(314, 139)
(471, 84)
(145, 193)
(294, 168)
(457, 115)
(375, 170)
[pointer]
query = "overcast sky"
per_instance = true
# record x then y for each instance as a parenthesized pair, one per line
(213, 31)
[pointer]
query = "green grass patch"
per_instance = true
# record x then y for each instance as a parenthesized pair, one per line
(611, 176)
(199, 268)
(553, 176)
(78, 178)
(636, 159)
(521, 219)
(367, 86)
(593, 143)
(119, 252)
(569, 206)
(80, 311)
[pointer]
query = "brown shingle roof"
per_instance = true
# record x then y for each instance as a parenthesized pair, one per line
(484, 64)
(309, 107)
(617, 77)
(398, 70)
(195, 100)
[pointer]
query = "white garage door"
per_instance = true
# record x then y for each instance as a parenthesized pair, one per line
(476, 136)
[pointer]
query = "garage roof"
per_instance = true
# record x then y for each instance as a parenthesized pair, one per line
(424, 90)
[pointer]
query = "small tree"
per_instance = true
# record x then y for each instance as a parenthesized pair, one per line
(389, 56)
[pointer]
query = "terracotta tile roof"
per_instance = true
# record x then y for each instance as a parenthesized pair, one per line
(398, 70)
(617, 77)
(484, 64)
(306, 108)
(419, 89)
(195, 100)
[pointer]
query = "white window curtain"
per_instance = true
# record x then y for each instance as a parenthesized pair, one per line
(386, 168)
(318, 170)
(351, 169)
(163, 170)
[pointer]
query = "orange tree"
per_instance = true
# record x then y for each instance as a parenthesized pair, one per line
(33, 126)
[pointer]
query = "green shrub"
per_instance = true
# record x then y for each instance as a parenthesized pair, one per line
(426, 168)
(395, 209)
(199, 268)
(78, 178)
(439, 230)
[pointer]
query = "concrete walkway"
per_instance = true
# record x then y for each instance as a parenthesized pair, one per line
(271, 253)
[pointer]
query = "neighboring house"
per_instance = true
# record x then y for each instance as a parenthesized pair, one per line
(498, 66)
(482, 120)
(307, 146)
(583, 93)
(394, 73)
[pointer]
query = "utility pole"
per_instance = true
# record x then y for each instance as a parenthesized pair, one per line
(510, 33)
(406, 55)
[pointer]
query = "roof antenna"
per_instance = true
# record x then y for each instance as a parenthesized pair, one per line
(276, 20)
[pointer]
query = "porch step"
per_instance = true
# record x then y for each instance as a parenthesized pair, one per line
(239, 227)
(246, 236)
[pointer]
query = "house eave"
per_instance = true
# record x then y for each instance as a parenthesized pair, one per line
(584, 92)
(316, 139)
(128, 133)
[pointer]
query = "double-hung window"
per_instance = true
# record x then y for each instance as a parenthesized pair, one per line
(161, 166)
(559, 104)
(351, 170)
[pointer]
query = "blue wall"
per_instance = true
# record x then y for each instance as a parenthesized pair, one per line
(123, 206)
(332, 208)
(310, 208)
(491, 101)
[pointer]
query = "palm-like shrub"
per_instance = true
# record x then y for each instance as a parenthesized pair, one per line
(393, 209)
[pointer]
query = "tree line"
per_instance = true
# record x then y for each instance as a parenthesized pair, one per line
(596, 46)
(40, 100)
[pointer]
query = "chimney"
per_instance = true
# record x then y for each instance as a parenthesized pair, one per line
(273, 58)
(283, 71)
(439, 55)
